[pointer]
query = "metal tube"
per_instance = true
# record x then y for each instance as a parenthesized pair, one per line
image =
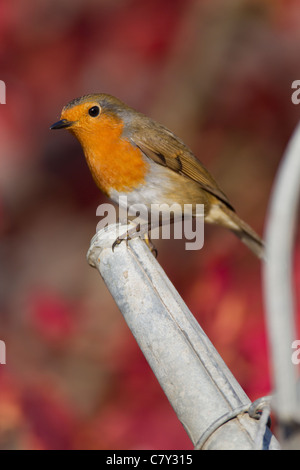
(278, 282)
(207, 399)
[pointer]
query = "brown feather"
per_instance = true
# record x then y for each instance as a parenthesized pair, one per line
(164, 148)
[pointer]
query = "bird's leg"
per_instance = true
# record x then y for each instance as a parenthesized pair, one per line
(126, 236)
(150, 243)
(139, 230)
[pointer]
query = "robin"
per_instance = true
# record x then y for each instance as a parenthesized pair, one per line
(130, 154)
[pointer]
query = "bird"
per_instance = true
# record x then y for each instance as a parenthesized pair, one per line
(129, 153)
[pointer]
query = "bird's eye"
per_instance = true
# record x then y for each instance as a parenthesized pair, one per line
(94, 111)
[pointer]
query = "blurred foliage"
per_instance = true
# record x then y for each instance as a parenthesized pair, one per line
(219, 74)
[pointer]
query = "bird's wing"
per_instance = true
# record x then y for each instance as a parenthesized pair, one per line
(163, 147)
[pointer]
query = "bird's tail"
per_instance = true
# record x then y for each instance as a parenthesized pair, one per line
(242, 230)
(246, 234)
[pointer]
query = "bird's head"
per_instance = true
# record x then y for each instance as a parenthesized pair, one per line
(92, 115)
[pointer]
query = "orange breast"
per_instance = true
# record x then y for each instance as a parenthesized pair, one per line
(113, 161)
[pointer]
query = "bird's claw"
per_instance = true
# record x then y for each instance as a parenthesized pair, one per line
(119, 240)
(132, 234)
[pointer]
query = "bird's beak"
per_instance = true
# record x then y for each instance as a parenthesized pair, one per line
(62, 124)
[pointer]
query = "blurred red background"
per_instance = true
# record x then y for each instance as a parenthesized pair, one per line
(219, 74)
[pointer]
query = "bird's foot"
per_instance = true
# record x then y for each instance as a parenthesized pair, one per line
(141, 231)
